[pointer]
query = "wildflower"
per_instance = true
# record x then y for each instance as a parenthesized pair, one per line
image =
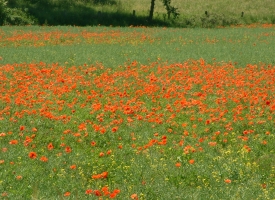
(66, 131)
(102, 130)
(248, 149)
(134, 196)
(50, 146)
(191, 161)
(44, 159)
(105, 190)
(264, 142)
(99, 176)
(178, 164)
(212, 144)
(68, 149)
(101, 154)
(227, 181)
(19, 177)
(13, 142)
(96, 176)
(89, 191)
(77, 135)
(2, 134)
(184, 124)
(66, 194)
(113, 195)
(4, 194)
(93, 143)
(32, 155)
(22, 128)
(97, 193)
(114, 129)
(104, 174)
(82, 126)
(73, 166)
(62, 144)
(116, 191)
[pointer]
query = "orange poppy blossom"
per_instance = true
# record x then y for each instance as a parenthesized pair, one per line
(100, 176)
(227, 181)
(32, 155)
(192, 161)
(178, 164)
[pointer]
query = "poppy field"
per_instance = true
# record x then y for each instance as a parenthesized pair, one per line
(137, 113)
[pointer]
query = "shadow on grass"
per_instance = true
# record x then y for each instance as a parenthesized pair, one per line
(82, 15)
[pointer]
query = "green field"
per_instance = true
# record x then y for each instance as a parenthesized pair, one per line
(137, 112)
(145, 45)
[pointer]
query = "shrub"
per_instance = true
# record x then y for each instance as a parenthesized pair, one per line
(14, 16)
(3, 7)
(214, 20)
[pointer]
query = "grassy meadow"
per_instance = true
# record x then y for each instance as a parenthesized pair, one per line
(252, 9)
(137, 112)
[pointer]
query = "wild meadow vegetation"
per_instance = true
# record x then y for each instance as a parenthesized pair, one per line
(192, 13)
(137, 113)
(121, 110)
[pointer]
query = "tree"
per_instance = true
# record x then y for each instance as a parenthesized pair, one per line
(170, 9)
(14, 16)
(3, 10)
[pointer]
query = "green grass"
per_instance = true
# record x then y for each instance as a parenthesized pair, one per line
(188, 8)
(236, 45)
(209, 92)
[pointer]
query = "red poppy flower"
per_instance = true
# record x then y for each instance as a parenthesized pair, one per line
(50, 146)
(32, 155)
(89, 191)
(44, 159)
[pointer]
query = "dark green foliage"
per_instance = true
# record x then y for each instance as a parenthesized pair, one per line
(214, 20)
(14, 16)
(81, 13)
(104, 2)
(3, 8)
(170, 9)
(93, 12)
(167, 4)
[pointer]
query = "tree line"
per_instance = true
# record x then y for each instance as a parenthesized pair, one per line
(23, 12)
